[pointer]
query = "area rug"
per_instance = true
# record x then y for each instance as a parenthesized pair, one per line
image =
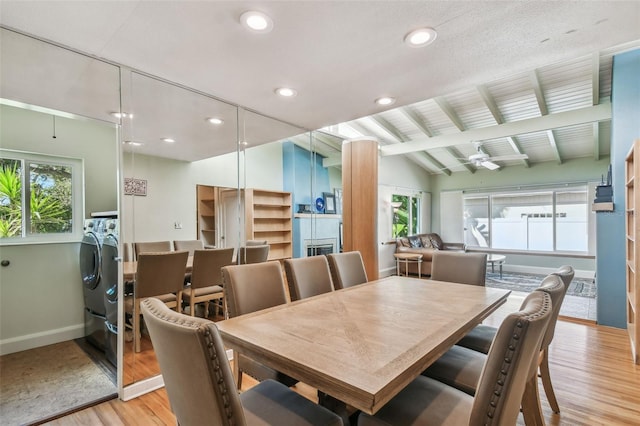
(45, 382)
(581, 287)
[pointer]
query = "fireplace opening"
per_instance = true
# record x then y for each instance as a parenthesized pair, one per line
(319, 247)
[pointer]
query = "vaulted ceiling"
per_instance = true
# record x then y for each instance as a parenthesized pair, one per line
(522, 77)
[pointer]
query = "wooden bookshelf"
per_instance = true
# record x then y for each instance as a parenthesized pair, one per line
(206, 212)
(268, 216)
(632, 226)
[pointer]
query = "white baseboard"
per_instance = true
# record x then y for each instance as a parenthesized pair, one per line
(142, 387)
(44, 338)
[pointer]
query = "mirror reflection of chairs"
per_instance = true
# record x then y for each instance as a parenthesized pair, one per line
(347, 269)
(206, 278)
(158, 275)
(250, 288)
(308, 276)
(253, 254)
(152, 247)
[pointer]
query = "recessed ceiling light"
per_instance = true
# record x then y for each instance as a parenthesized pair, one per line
(256, 21)
(385, 100)
(215, 120)
(287, 92)
(133, 143)
(168, 140)
(420, 37)
(121, 115)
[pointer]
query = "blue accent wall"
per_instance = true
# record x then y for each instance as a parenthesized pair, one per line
(297, 175)
(625, 128)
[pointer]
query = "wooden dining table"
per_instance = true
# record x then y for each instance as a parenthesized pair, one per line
(129, 269)
(362, 345)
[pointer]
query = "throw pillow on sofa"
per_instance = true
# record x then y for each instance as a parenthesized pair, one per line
(415, 242)
(436, 241)
(426, 241)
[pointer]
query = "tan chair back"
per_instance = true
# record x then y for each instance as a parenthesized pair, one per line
(160, 273)
(253, 254)
(251, 243)
(459, 267)
(511, 361)
(188, 245)
(554, 286)
(205, 392)
(207, 266)
(347, 269)
(152, 247)
(308, 276)
(566, 273)
(253, 287)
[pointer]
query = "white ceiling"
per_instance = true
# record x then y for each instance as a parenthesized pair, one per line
(341, 55)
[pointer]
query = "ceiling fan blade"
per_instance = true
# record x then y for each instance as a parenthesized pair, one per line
(490, 165)
(509, 157)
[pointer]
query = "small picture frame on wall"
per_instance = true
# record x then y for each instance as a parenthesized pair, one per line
(135, 187)
(329, 203)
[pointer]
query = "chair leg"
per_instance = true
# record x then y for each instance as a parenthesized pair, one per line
(192, 306)
(136, 326)
(206, 309)
(236, 369)
(531, 408)
(546, 381)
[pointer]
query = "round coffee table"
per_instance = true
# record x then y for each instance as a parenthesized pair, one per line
(496, 259)
(407, 258)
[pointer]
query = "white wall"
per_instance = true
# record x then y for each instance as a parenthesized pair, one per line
(397, 175)
(171, 189)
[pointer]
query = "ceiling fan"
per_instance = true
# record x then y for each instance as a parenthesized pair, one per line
(481, 158)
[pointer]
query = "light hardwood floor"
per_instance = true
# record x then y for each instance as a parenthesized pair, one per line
(595, 381)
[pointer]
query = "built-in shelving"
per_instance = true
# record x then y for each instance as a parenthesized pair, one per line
(206, 212)
(632, 226)
(268, 216)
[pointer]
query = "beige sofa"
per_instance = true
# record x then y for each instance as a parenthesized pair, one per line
(425, 244)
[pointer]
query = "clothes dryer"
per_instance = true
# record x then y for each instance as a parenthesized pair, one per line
(109, 260)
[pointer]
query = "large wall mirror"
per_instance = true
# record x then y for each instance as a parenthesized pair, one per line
(146, 148)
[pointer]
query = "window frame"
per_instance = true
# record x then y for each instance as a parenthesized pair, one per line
(553, 190)
(77, 198)
(412, 199)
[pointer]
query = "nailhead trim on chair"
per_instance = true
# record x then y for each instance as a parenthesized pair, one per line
(213, 356)
(224, 391)
(508, 357)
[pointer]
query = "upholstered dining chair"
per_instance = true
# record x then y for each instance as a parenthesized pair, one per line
(308, 276)
(158, 275)
(253, 254)
(201, 391)
(251, 243)
(510, 362)
(347, 269)
(461, 367)
(480, 338)
(459, 267)
(152, 247)
(206, 277)
(250, 288)
(188, 245)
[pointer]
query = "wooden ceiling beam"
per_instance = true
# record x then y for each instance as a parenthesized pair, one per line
(537, 89)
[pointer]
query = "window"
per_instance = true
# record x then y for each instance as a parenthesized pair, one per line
(53, 188)
(536, 220)
(406, 211)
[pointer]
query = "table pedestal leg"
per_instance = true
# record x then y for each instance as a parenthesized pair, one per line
(335, 405)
